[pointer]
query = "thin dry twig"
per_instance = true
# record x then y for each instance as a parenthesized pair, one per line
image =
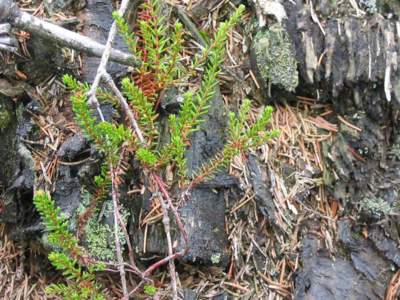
(117, 217)
(101, 70)
(393, 288)
(9, 12)
(110, 82)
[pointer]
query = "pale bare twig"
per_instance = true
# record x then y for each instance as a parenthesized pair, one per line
(128, 242)
(9, 12)
(101, 70)
(110, 82)
(121, 268)
(167, 227)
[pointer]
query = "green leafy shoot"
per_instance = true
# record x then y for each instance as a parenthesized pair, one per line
(157, 49)
(150, 290)
(146, 157)
(108, 137)
(144, 109)
(240, 140)
(199, 60)
(111, 137)
(129, 37)
(56, 224)
(83, 284)
(195, 106)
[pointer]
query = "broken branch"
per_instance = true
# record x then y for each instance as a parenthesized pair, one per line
(9, 12)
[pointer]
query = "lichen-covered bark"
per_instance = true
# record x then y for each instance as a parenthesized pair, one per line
(350, 59)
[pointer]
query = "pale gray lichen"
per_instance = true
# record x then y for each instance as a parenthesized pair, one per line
(377, 206)
(98, 235)
(370, 6)
(109, 214)
(97, 239)
(216, 258)
(275, 58)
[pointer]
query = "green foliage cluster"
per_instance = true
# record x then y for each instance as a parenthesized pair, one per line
(157, 49)
(150, 290)
(144, 108)
(159, 52)
(69, 258)
(108, 137)
(275, 57)
(240, 138)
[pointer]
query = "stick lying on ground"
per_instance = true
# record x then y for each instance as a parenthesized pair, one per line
(7, 43)
(10, 13)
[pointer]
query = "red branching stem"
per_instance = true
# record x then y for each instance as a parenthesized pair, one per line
(167, 229)
(146, 78)
(121, 222)
(161, 185)
(161, 262)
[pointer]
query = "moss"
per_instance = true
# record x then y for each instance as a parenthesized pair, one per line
(5, 117)
(275, 58)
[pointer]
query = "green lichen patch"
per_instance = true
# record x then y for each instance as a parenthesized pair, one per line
(5, 117)
(216, 258)
(370, 6)
(377, 206)
(99, 236)
(275, 58)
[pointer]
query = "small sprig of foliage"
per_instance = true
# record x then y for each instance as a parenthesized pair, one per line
(152, 43)
(107, 137)
(240, 139)
(102, 183)
(70, 258)
(150, 290)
